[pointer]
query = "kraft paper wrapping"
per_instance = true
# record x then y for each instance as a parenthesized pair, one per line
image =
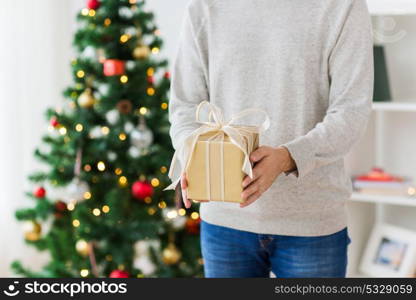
(231, 167)
(219, 151)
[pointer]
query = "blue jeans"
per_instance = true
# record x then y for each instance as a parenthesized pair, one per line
(234, 253)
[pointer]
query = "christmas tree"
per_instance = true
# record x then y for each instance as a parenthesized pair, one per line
(100, 209)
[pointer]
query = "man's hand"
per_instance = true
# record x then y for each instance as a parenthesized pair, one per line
(184, 187)
(269, 164)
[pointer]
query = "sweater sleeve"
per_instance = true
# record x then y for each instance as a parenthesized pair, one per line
(351, 76)
(189, 83)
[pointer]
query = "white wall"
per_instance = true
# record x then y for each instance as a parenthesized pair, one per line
(35, 57)
(34, 69)
(169, 18)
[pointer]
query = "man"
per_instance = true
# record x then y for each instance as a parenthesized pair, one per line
(309, 64)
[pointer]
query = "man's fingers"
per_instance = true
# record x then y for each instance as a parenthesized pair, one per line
(187, 202)
(251, 189)
(184, 181)
(184, 186)
(257, 171)
(246, 181)
(185, 199)
(250, 199)
(259, 153)
(256, 174)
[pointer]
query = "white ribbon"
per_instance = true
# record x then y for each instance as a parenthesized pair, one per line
(238, 135)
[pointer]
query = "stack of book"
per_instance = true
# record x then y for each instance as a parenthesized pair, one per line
(378, 182)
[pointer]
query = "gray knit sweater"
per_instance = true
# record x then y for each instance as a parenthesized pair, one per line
(309, 64)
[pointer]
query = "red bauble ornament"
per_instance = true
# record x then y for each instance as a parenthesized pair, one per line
(60, 209)
(113, 67)
(60, 206)
(54, 122)
(150, 79)
(192, 226)
(167, 74)
(119, 274)
(141, 190)
(93, 4)
(39, 192)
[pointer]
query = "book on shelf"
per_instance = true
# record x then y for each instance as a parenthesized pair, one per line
(378, 182)
(404, 192)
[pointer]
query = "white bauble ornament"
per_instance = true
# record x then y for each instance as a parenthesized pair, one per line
(125, 12)
(147, 40)
(141, 137)
(131, 30)
(76, 190)
(142, 247)
(142, 259)
(134, 152)
(128, 127)
(130, 65)
(89, 52)
(96, 132)
(112, 156)
(112, 116)
(103, 89)
(145, 264)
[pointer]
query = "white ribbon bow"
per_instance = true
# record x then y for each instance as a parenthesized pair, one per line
(239, 136)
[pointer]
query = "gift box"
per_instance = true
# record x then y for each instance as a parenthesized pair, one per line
(215, 169)
(215, 156)
(113, 67)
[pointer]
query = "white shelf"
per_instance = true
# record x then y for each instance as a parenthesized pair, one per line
(394, 200)
(395, 106)
(391, 7)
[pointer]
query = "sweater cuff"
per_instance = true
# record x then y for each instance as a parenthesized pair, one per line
(302, 152)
